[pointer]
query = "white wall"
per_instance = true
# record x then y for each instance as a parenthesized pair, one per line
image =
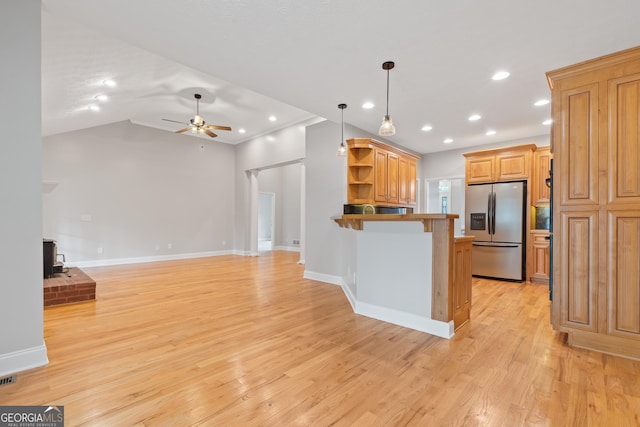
(289, 229)
(21, 317)
(133, 191)
(278, 148)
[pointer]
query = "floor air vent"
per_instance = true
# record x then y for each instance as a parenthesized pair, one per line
(8, 380)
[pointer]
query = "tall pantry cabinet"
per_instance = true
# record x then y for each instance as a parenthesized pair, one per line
(596, 195)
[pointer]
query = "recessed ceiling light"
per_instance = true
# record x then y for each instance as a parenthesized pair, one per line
(490, 132)
(109, 83)
(426, 128)
(540, 102)
(241, 130)
(101, 97)
(501, 75)
(448, 141)
(272, 118)
(368, 105)
(93, 107)
(270, 138)
(474, 117)
(547, 122)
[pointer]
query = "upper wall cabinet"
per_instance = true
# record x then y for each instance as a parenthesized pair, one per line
(380, 174)
(540, 192)
(501, 164)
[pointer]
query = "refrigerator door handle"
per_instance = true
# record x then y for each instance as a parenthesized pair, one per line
(493, 245)
(489, 212)
(493, 217)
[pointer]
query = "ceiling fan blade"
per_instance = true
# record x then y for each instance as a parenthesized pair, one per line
(218, 127)
(183, 130)
(174, 121)
(211, 134)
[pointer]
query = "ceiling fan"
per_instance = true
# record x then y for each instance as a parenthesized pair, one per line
(197, 124)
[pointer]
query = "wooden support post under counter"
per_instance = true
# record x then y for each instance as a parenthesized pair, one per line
(406, 270)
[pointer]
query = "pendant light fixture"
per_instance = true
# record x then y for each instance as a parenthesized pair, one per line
(387, 128)
(342, 149)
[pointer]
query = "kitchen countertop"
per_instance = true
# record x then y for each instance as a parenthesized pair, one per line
(354, 221)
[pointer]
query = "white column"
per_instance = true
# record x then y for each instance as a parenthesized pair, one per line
(303, 216)
(253, 213)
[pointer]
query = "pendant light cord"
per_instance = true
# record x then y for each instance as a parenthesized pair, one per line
(342, 120)
(387, 92)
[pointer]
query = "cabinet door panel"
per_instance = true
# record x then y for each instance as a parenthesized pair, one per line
(578, 260)
(624, 277)
(540, 247)
(480, 169)
(412, 182)
(403, 181)
(392, 178)
(578, 183)
(540, 192)
(624, 139)
(512, 166)
(381, 192)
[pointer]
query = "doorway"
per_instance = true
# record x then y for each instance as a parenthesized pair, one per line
(266, 223)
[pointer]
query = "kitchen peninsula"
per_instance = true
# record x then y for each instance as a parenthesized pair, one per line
(410, 270)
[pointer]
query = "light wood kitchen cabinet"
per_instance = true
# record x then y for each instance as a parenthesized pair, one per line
(406, 181)
(540, 192)
(596, 206)
(500, 164)
(386, 177)
(480, 168)
(380, 174)
(462, 280)
(540, 257)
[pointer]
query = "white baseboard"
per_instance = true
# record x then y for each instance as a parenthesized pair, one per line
(138, 260)
(400, 318)
(321, 277)
(350, 296)
(407, 320)
(287, 248)
(23, 360)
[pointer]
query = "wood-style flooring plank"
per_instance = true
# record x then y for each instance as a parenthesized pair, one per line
(243, 341)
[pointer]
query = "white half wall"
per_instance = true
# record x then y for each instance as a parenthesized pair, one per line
(21, 317)
(329, 251)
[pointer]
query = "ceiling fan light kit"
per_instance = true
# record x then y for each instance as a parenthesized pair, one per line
(387, 128)
(197, 124)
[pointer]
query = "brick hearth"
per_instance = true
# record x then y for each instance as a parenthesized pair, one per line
(65, 289)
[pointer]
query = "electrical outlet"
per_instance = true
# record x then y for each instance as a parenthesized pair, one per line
(100, 250)
(169, 245)
(296, 241)
(157, 247)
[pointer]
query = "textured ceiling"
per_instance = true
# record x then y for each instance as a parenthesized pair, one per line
(299, 59)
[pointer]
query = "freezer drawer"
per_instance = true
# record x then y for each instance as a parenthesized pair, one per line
(503, 261)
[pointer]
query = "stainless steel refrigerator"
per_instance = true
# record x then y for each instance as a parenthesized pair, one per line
(496, 217)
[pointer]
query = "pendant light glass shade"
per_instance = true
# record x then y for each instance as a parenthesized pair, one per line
(342, 149)
(387, 128)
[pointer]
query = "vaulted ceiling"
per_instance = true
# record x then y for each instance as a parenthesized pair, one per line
(298, 59)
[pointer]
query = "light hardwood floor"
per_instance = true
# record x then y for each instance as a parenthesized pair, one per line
(237, 341)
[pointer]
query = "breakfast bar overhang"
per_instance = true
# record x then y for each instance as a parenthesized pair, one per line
(405, 270)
